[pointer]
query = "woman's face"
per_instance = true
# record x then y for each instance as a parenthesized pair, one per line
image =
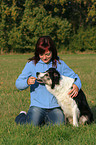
(46, 57)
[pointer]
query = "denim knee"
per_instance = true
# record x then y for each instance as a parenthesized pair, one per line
(56, 116)
(36, 116)
(39, 116)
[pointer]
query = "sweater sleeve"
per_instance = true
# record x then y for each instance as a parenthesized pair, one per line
(66, 71)
(21, 82)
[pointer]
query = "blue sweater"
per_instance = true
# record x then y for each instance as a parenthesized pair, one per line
(40, 97)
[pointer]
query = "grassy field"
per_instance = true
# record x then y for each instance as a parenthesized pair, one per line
(13, 101)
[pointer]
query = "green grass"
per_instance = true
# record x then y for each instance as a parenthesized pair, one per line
(13, 101)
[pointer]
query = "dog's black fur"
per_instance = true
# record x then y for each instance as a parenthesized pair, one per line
(54, 75)
(83, 106)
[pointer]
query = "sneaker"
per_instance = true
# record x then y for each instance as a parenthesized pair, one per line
(21, 118)
(23, 112)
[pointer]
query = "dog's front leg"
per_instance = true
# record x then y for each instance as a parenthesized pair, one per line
(75, 116)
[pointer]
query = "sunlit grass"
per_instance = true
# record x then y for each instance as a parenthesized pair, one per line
(13, 101)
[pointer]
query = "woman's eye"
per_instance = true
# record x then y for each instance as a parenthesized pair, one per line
(41, 54)
(48, 54)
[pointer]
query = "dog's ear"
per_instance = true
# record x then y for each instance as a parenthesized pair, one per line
(53, 85)
(55, 80)
(55, 75)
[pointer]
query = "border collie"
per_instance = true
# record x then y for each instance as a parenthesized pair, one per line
(76, 110)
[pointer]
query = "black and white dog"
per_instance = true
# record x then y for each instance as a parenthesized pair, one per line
(76, 109)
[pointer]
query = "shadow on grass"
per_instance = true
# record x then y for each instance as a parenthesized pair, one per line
(93, 108)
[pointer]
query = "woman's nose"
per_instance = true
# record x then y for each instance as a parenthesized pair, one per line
(44, 57)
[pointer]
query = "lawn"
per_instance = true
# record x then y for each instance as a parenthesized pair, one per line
(12, 101)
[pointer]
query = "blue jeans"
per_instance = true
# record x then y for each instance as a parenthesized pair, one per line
(39, 116)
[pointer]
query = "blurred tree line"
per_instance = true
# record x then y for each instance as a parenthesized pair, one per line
(71, 24)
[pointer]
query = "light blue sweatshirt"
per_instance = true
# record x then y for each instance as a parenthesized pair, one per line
(40, 97)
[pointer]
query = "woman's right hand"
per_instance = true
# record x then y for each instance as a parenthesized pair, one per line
(31, 80)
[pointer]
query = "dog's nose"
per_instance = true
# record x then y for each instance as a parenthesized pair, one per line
(37, 74)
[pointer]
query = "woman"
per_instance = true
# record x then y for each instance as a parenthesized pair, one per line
(44, 108)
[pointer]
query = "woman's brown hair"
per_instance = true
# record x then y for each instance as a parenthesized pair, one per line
(43, 44)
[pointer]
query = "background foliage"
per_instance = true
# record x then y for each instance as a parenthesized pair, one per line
(23, 22)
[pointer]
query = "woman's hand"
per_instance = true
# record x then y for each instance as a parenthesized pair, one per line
(31, 80)
(74, 91)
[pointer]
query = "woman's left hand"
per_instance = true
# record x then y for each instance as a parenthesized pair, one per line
(74, 91)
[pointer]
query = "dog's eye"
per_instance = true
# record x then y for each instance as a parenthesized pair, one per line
(46, 75)
(48, 78)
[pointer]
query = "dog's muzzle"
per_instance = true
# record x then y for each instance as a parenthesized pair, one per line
(39, 80)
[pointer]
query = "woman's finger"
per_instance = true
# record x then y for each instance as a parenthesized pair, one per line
(74, 91)
(31, 80)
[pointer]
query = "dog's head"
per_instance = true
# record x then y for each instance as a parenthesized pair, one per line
(51, 77)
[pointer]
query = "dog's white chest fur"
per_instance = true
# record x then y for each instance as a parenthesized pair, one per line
(67, 104)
